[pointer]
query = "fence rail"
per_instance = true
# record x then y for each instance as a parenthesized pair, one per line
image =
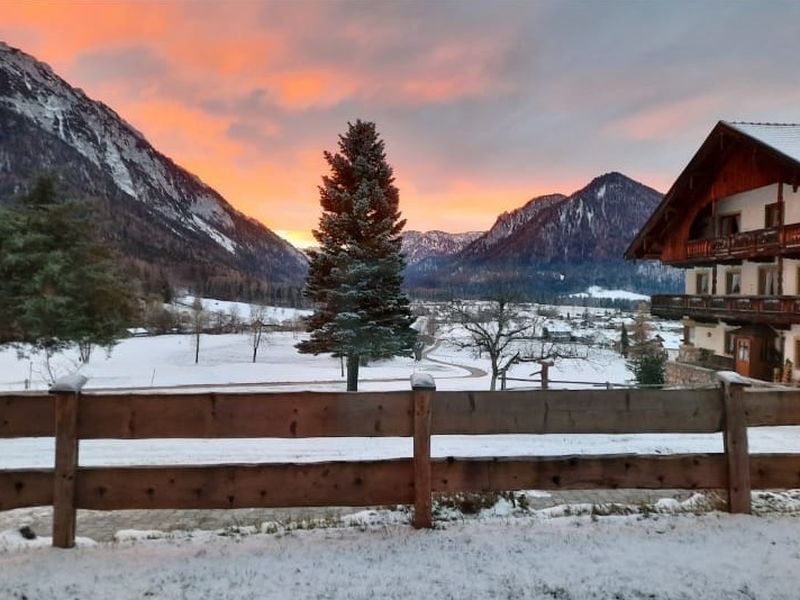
(70, 416)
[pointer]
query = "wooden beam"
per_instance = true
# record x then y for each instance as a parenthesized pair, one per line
(23, 415)
(570, 411)
(735, 441)
(361, 483)
(423, 392)
(771, 407)
(23, 488)
(775, 471)
(66, 420)
(213, 415)
(693, 471)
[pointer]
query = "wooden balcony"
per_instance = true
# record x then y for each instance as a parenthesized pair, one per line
(769, 310)
(773, 241)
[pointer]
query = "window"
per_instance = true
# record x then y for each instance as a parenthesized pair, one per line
(728, 224)
(701, 283)
(768, 279)
(730, 343)
(733, 282)
(772, 215)
(744, 351)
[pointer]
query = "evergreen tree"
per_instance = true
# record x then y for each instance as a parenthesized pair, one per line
(646, 358)
(59, 286)
(354, 278)
(624, 342)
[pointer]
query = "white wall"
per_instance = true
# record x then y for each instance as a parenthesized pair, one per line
(711, 336)
(691, 279)
(750, 278)
(788, 350)
(791, 285)
(791, 207)
(750, 205)
(749, 272)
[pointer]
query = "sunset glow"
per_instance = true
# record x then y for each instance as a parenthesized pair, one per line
(482, 106)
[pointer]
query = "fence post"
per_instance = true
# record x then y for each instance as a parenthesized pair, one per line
(67, 391)
(546, 364)
(735, 438)
(423, 386)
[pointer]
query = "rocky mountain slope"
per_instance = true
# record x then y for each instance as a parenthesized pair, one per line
(595, 224)
(419, 245)
(157, 212)
(509, 223)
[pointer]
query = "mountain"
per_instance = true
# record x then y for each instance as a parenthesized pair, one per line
(419, 245)
(161, 216)
(594, 224)
(556, 245)
(510, 222)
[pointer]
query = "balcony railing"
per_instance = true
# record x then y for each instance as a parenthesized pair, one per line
(760, 242)
(753, 309)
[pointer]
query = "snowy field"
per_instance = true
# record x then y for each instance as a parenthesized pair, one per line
(713, 556)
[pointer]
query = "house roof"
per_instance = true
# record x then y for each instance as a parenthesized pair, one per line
(781, 140)
(783, 137)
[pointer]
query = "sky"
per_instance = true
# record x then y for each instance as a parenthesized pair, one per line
(482, 104)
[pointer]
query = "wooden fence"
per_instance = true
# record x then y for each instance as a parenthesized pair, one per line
(70, 416)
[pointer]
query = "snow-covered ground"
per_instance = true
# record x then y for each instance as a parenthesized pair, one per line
(565, 552)
(596, 291)
(168, 360)
(712, 556)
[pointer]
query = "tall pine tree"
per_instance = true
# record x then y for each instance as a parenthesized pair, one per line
(354, 279)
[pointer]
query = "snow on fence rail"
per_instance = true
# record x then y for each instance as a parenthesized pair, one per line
(69, 416)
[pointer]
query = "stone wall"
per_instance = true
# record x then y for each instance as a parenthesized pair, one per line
(678, 373)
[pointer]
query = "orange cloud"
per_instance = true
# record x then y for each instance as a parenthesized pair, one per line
(60, 30)
(664, 120)
(247, 95)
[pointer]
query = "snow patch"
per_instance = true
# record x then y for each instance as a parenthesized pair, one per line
(214, 234)
(596, 291)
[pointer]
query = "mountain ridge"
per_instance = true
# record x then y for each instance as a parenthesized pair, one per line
(558, 245)
(157, 211)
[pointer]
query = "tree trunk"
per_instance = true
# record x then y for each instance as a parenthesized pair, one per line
(197, 348)
(493, 385)
(85, 351)
(255, 351)
(352, 372)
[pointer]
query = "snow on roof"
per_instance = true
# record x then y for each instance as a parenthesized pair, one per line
(783, 137)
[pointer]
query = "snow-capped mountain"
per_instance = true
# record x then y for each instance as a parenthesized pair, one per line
(419, 245)
(557, 244)
(509, 222)
(595, 224)
(157, 211)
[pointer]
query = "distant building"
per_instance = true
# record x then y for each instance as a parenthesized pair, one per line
(732, 221)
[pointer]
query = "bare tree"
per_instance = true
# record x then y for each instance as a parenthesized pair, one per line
(234, 319)
(507, 335)
(198, 322)
(496, 328)
(258, 317)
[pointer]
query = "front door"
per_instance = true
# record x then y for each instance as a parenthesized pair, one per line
(743, 356)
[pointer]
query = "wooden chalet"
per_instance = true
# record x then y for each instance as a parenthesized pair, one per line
(732, 221)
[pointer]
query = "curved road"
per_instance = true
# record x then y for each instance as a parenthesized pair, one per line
(473, 371)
